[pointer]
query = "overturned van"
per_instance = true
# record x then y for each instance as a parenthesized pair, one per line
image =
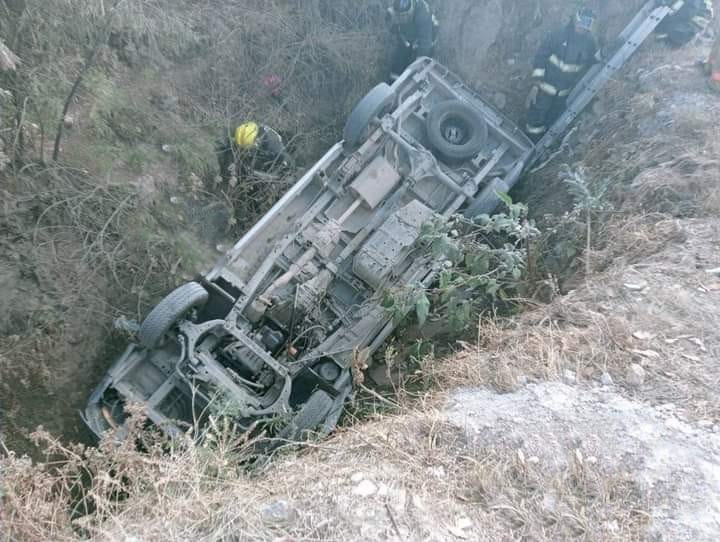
(270, 333)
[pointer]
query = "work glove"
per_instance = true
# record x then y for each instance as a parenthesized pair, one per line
(532, 97)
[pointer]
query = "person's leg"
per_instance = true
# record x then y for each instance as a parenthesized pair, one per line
(556, 110)
(713, 64)
(537, 116)
(225, 158)
(402, 57)
(681, 33)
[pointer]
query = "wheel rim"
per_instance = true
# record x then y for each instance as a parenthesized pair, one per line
(455, 131)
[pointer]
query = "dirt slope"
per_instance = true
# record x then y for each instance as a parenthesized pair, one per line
(145, 130)
(626, 447)
(594, 417)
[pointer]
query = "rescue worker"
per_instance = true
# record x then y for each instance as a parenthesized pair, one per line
(687, 19)
(713, 63)
(414, 29)
(562, 60)
(252, 147)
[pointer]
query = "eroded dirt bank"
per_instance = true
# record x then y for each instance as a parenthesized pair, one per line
(620, 445)
(59, 305)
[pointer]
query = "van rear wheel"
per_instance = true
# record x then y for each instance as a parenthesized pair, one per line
(169, 311)
(370, 107)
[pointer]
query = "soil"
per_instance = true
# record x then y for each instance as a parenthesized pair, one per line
(675, 464)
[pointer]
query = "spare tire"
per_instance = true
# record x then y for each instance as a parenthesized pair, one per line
(456, 130)
(371, 106)
(171, 309)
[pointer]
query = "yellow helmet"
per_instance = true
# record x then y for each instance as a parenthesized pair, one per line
(246, 134)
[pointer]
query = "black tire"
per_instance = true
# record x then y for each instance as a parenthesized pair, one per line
(456, 130)
(171, 309)
(311, 415)
(370, 107)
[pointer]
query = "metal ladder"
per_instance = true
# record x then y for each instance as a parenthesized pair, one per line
(644, 23)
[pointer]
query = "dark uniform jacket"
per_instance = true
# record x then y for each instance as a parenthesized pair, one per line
(563, 59)
(690, 17)
(267, 155)
(419, 33)
(269, 151)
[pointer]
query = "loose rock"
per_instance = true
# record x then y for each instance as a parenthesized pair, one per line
(278, 512)
(365, 489)
(606, 379)
(636, 375)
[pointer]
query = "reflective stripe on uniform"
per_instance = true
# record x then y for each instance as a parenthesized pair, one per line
(547, 88)
(538, 72)
(534, 130)
(565, 67)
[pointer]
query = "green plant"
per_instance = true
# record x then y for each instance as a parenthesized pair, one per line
(590, 201)
(481, 262)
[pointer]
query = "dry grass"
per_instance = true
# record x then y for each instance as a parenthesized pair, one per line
(8, 60)
(429, 485)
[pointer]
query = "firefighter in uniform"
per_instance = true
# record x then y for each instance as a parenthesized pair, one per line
(252, 147)
(687, 19)
(562, 60)
(414, 29)
(713, 63)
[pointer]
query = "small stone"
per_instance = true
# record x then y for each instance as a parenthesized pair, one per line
(166, 148)
(365, 489)
(463, 523)
(606, 379)
(635, 376)
(636, 286)
(68, 121)
(123, 324)
(569, 376)
(533, 460)
(357, 477)
(643, 336)
(651, 354)
(278, 512)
